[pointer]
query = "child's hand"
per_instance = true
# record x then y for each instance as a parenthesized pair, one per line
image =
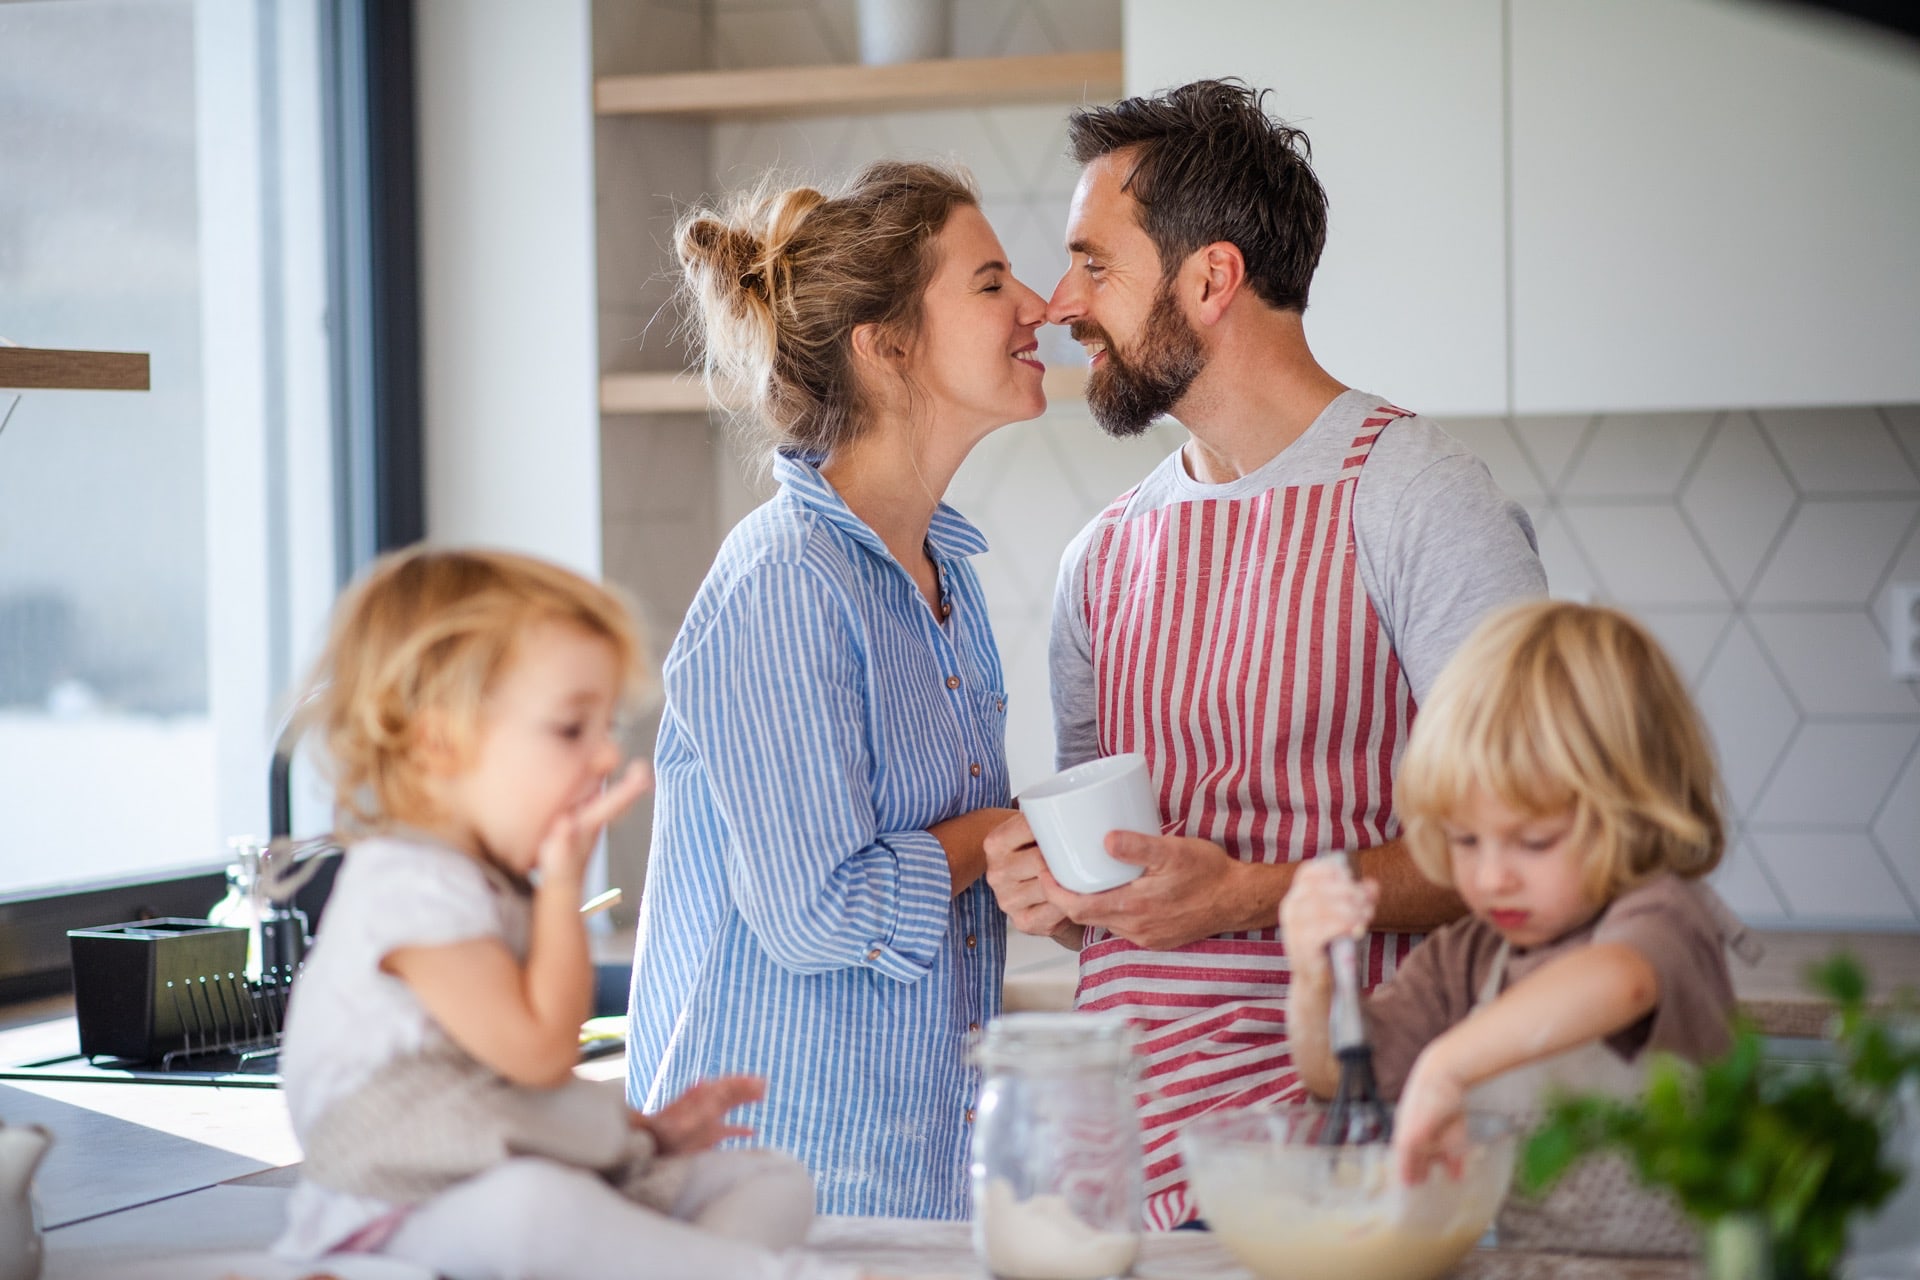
(696, 1120)
(1324, 902)
(1430, 1123)
(569, 841)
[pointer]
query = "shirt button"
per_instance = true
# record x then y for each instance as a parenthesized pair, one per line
(969, 1115)
(999, 704)
(873, 954)
(953, 682)
(974, 769)
(973, 1026)
(972, 942)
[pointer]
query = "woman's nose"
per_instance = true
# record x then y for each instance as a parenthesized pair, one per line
(1031, 308)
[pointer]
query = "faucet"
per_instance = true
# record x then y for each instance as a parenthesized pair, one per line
(287, 865)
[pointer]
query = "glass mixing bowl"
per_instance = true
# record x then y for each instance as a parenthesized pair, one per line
(1290, 1209)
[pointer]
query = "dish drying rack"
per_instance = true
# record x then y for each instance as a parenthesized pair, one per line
(228, 1016)
(175, 997)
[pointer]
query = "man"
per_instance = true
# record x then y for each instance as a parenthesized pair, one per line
(1260, 616)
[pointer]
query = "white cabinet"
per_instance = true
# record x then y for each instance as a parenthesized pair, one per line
(1546, 206)
(1402, 101)
(1713, 204)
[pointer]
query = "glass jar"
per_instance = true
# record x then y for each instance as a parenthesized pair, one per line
(243, 907)
(1056, 1148)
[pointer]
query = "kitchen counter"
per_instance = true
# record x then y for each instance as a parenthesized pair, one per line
(140, 1170)
(1774, 995)
(162, 1182)
(945, 1249)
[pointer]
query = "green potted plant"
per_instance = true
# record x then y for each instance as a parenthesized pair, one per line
(1773, 1161)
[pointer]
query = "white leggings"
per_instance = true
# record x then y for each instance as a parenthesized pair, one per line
(534, 1219)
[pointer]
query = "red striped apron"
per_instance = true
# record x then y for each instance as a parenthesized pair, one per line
(1234, 644)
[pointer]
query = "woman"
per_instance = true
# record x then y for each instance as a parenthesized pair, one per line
(831, 754)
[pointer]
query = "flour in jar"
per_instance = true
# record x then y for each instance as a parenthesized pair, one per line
(1042, 1238)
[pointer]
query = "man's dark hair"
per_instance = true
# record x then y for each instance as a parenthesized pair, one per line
(1209, 164)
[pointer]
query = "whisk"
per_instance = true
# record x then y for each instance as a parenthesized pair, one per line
(1357, 1114)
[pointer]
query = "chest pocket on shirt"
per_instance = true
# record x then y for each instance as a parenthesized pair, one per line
(987, 740)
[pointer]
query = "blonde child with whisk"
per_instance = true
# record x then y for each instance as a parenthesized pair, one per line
(1559, 779)
(467, 701)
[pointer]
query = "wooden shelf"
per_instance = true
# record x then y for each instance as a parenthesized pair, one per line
(47, 369)
(652, 393)
(684, 393)
(943, 82)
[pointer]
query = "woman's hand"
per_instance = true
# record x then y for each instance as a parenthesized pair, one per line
(697, 1119)
(1430, 1124)
(1019, 878)
(568, 844)
(1325, 902)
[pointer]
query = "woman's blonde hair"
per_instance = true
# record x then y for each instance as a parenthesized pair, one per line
(426, 634)
(778, 280)
(1550, 706)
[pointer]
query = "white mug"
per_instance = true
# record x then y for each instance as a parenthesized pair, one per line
(1072, 812)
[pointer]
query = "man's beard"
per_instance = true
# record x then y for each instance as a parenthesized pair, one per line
(1125, 397)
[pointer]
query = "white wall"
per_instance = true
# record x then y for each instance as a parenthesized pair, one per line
(1402, 101)
(504, 101)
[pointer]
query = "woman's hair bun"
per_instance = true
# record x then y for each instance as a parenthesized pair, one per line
(720, 249)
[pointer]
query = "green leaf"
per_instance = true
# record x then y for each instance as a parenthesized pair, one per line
(1841, 979)
(1549, 1153)
(1797, 1183)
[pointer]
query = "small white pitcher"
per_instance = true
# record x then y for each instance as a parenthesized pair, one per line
(22, 1147)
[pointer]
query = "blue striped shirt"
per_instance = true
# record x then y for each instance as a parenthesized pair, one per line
(797, 920)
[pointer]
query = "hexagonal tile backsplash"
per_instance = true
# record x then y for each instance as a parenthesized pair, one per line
(1758, 546)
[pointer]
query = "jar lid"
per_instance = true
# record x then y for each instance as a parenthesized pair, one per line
(1057, 1042)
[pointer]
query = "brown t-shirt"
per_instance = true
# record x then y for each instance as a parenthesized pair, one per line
(1674, 924)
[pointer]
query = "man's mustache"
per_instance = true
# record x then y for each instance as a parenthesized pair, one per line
(1081, 330)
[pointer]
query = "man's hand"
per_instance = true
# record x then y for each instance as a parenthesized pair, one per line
(697, 1119)
(1019, 878)
(1191, 889)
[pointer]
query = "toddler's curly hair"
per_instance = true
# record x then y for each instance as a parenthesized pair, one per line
(425, 633)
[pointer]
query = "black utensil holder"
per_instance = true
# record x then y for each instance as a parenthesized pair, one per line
(120, 975)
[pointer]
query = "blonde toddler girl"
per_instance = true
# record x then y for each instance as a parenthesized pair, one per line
(467, 701)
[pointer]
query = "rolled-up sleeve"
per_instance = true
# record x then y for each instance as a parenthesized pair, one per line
(774, 697)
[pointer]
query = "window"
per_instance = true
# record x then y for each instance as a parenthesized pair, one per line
(166, 558)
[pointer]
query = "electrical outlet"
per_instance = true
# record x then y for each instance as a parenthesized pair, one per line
(1904, 634)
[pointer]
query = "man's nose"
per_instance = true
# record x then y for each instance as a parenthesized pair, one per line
(1065, 306)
